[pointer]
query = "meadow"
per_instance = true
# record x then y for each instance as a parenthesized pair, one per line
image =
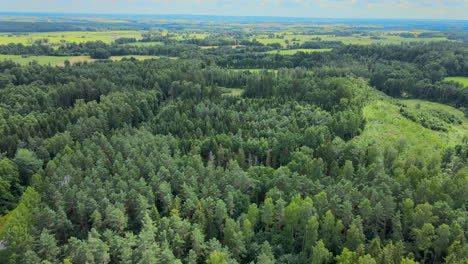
(462, 80)
(232, 91)
(72, 36)
(386, 124)
(59, 61)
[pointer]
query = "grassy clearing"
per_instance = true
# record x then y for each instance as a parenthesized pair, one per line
(387, 127)
(68, 36)
(59, 61)
(462, 80)
(232, 91)
(294, 51)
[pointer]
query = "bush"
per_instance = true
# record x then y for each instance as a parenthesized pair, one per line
(100, 54)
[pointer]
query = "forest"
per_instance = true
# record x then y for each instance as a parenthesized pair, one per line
(228, 154)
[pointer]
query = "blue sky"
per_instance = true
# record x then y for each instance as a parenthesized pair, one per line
(421, 9)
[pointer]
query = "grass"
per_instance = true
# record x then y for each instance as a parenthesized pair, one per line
(462, 80)
(387, 127)
(294, 51)
(59, 61)
(232, 91)
(43, 60)
(68, 36)
(354, 39)
(144, 44)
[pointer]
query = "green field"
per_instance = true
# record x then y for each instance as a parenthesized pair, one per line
(59, 61)
(233, 91)
(43, 60)
(144, 44)
(462, 80)
(294, 51)
(354, 39)
(386, 126)
(68, 36)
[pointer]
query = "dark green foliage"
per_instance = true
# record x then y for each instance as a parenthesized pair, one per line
(100, 54)
(147, 162)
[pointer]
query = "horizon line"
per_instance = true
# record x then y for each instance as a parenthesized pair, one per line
(233, 16)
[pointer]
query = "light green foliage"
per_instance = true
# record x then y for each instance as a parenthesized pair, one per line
(217, 257)
(190, 161)
(386, 125)
(462, 80)
(320, 254)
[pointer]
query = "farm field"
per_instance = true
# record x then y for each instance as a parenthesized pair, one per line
(294, 51)
(59, 61)
(462, 80)
(43, 60)
(71, 36)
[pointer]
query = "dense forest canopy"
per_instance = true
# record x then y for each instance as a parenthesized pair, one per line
(228, 154)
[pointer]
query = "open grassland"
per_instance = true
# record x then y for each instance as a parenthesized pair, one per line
(386, 126)
(59, 61)
(462, 80)
(294, 51)
(71, 36)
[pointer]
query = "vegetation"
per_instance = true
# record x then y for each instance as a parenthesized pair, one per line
(294, 51)
(461, 80)
(230, 154)
(60, 61)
